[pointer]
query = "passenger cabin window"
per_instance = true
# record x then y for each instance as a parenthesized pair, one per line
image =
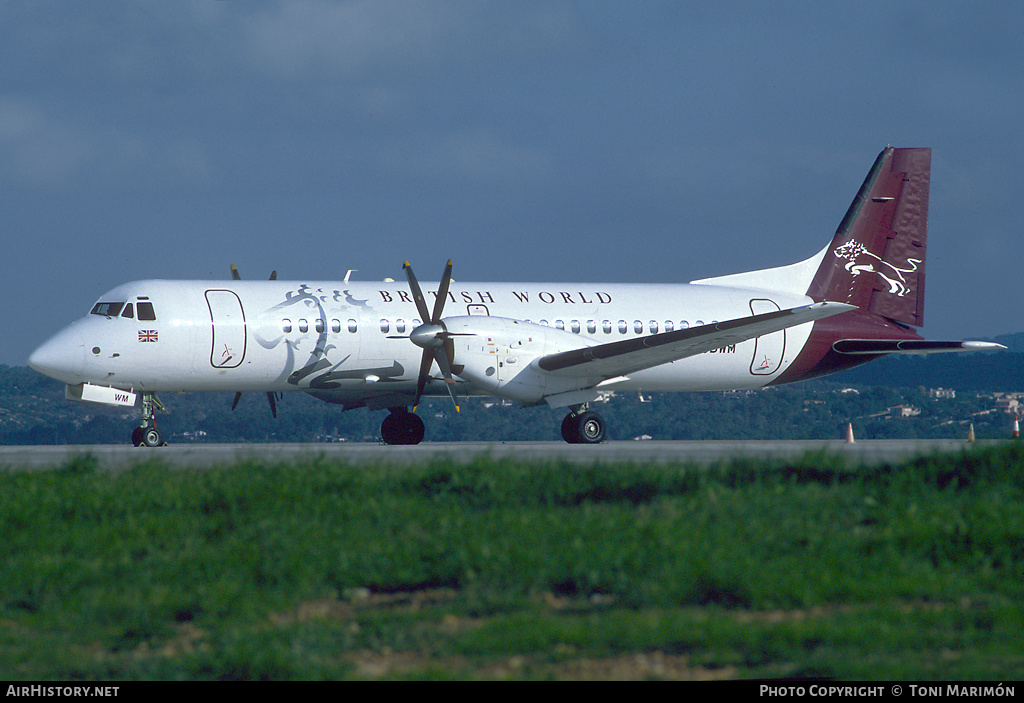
(107, 309)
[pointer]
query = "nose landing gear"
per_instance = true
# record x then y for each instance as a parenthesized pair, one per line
(146, 434)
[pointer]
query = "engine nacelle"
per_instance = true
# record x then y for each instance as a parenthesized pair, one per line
(499, 356)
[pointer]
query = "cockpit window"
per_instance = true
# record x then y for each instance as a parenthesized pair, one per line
(107, 309)
(129, 311)
(146, 311)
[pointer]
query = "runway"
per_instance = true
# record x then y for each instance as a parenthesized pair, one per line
(200, 456)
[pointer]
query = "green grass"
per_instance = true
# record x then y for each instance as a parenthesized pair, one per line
(321, 570)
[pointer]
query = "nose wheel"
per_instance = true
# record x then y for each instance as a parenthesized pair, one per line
(146, 434)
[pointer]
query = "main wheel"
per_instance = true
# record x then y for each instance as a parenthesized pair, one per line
(585, 428)
(402, 428)
(590, 428)
(569, 429)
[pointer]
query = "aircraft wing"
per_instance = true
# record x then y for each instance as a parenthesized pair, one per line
(628, 356)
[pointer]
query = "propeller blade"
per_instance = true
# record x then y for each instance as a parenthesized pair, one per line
(417, 293)
(442, 293)
(421, 381)
(238, 397)
(273, 404)
(442, 360)
(235, 275)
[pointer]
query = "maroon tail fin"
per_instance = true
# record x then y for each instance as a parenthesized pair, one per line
(876, 259)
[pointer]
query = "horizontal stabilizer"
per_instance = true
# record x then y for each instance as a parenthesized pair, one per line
(909, 346)
(630, 355)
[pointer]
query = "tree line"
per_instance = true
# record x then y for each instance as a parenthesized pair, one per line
(33, 410)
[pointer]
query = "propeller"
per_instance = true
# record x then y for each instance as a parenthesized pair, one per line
(432, 336)
(271, 396)
(235, 275)
(238, 277)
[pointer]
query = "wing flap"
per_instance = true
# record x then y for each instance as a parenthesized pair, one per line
(631, 355)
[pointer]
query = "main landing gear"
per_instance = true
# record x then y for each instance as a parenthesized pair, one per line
(583, 427)
(146, 434)
(402, 427)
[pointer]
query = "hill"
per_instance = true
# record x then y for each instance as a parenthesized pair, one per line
(1012, 342)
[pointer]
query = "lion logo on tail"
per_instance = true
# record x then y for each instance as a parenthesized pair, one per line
(859, 260)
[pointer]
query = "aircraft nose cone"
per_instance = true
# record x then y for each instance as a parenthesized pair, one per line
(60, 357)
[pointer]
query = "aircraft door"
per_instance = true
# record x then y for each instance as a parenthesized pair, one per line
(768, 348)
(229, 335)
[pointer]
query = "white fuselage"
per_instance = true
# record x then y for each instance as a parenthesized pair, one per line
(349, 340)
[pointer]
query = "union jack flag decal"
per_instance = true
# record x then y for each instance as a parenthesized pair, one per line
(147, 335)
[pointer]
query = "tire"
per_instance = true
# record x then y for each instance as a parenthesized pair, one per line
(137, 436)
(585, 428)
(590, 428)
(570, 429)
(151, 437)
(402, 428)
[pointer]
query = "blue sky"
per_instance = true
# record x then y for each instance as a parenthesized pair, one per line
(530, 141)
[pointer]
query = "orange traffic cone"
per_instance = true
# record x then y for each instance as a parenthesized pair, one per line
(1016, 428)
(849, 433)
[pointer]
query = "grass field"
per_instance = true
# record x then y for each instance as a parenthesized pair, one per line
(497, 570)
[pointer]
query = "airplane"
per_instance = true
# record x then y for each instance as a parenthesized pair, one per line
(386, 345)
